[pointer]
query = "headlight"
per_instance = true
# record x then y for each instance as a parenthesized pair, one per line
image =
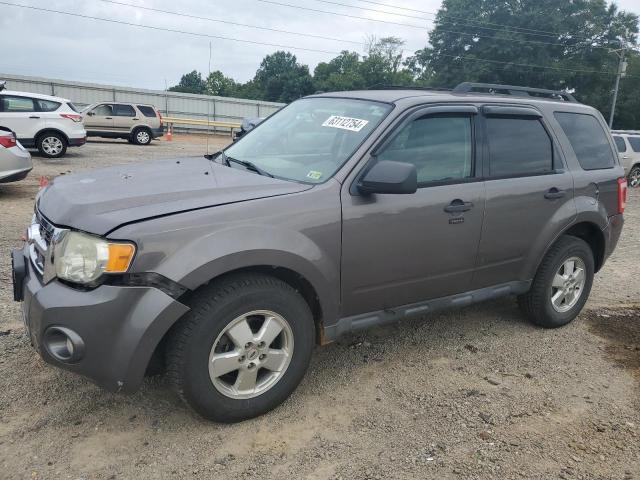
(82, 258)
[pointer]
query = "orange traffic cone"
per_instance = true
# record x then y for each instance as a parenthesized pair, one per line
(169, 133)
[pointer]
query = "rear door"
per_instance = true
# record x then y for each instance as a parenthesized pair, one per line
(100, 118)
(124, 117)
(20, 115)
(402, 249)
(529, 193)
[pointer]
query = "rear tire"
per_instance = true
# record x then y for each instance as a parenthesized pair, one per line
(141, 136)
(562, 284)
(52, 145)
(213, 337)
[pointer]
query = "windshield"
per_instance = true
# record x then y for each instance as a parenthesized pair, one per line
(310, 139)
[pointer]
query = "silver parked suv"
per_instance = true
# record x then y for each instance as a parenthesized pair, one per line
(339, 212)
(628, 144)
(136, 122)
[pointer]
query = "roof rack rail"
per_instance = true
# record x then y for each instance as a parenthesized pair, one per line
(406, 87)
(517, 91)
(631, 132)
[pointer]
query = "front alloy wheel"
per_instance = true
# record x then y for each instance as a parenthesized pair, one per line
(251, 354)
(243, 347)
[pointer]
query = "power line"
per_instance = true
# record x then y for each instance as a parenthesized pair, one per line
(150, 27)
(210, 19)
(473, 35)
(546, 33)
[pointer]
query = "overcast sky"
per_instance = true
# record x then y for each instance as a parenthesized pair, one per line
(60, 46)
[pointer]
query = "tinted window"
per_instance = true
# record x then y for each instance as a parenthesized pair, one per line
(440, 148)
(588, 139)
(622, 147)
(124, 111)
(47, 105)
(17, 104)
(147, 111)
(103, 110)
(518, 146)
(635, 143)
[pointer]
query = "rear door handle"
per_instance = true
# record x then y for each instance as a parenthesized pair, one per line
(34, 116)
(108, 118)
(136, 119)
(554, 193)
(457, 206)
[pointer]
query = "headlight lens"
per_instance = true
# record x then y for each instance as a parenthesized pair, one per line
(82, 258)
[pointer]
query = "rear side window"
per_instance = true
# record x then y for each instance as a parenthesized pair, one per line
(518, 147)
(47, 105)
(622, 147)
(147, 111)
(16, 104)
(588, 139)
(635, 143)
(124, 111)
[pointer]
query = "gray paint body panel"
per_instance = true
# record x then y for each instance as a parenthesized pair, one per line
(193, 221)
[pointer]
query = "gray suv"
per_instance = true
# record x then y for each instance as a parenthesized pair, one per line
(340, 212)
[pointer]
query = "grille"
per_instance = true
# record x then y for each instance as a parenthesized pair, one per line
(46, 229)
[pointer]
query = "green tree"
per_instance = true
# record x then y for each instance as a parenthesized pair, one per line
(280, 78)
(219, 84)
(493, 40)
(382, 64)
(190, 83)
(340, 73)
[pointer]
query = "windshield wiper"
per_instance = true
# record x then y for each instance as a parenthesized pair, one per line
(246, 164)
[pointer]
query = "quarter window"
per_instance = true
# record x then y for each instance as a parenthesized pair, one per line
(440, 147)
(635, 143)
(518, 147)
(17, 104)
(124, 111)
(47, 105)
(588, 139)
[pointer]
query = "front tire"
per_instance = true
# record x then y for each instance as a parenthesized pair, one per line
(243, 347)
(52, 145)
(562, 284)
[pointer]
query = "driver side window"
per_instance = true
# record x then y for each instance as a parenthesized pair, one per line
(103, 110)
(441, 147)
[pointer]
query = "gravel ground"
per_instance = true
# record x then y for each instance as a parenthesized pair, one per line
(471, 393)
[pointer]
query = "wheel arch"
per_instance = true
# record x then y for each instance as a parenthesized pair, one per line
(292, 278)
(50, 130)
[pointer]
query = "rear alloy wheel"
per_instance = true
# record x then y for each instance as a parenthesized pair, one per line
(634, 176)
(142, 136)
(52, 145)
(562, 284)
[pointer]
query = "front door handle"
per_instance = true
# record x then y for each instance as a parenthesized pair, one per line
(458, 206)
(554, 193)
(108, 118)
(34, 116)
(136, 119)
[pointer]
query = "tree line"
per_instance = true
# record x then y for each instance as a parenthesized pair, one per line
(554, 44)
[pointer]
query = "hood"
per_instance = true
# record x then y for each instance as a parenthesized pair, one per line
(101, 200)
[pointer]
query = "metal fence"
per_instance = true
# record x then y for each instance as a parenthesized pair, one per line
(174, 104)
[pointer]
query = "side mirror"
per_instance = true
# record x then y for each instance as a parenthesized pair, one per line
(390, 177)
(91, 114)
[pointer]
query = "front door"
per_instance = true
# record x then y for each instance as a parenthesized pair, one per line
(19, 114)
(402, 249)
(529, 194)
(100, 118)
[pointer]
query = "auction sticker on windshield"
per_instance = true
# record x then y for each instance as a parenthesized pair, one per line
(345, 123)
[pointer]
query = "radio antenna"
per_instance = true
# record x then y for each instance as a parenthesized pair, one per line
(208, 102)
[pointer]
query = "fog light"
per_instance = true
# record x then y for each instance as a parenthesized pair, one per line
(63, 344)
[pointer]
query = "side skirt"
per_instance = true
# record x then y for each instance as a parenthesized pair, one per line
(381, 317)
